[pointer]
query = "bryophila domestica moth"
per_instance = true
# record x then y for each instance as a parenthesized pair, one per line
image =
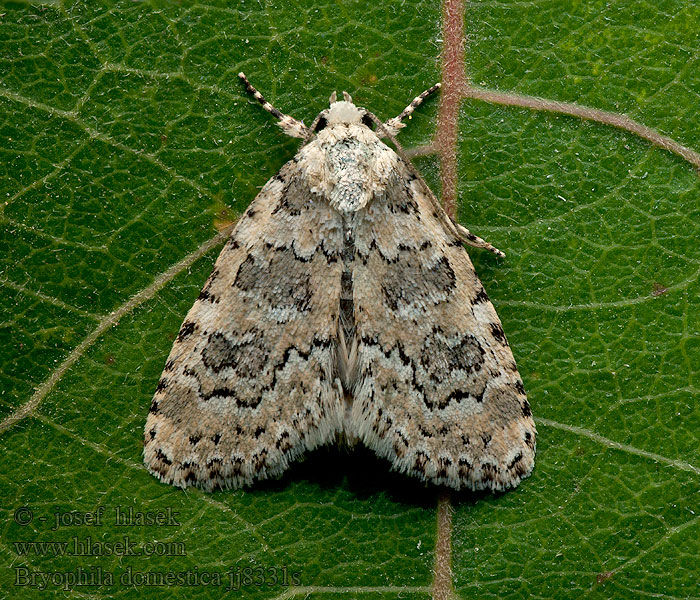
(343, 304)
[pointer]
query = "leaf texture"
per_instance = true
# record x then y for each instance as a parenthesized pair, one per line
(128, 142)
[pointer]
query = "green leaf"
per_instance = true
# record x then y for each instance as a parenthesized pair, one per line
(128, 142)
(598, 295)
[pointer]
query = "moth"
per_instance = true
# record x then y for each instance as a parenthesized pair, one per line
(344, 305)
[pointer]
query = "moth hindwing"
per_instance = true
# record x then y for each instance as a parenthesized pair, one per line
(344, 303)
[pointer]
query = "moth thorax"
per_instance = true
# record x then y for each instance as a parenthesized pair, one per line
(343, 112)
(348, 162)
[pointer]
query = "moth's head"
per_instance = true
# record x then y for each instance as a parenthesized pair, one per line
(341, 112)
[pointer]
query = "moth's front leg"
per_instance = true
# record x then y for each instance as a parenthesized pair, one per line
(474, 240)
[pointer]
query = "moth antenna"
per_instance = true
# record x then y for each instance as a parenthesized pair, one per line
(394, 125)
(289, 125)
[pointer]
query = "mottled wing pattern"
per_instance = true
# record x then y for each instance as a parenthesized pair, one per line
(437, 390)
(249, 383)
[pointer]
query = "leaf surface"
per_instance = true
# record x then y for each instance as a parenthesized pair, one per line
(128, 143)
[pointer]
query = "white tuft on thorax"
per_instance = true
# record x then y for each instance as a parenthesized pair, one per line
(343, 112)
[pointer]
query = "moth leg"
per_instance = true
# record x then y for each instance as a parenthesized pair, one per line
(395, 124)
(289, 125)
(473, 240)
